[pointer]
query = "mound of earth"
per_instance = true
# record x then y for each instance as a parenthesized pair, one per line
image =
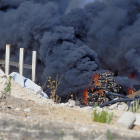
(26, 115)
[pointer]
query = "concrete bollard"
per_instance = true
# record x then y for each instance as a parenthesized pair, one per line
(137, 122)
(126, 120)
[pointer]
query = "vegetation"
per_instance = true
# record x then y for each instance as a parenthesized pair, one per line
(53, 86)
(62, 132)
(7, 89)
(135, 107)
(103, 116)
(109, 135)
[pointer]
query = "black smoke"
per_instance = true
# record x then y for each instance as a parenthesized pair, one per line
(69, 43)
(111, 28)
(36, 25)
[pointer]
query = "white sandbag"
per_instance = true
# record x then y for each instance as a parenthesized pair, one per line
(31, 85)
(18, 78)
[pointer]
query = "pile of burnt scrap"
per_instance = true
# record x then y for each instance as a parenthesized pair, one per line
(105, 91)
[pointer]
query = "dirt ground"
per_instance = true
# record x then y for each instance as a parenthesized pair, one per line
(33, 114)
(26, 104)
(30, 109)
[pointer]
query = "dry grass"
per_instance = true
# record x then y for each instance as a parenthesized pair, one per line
(53, 87)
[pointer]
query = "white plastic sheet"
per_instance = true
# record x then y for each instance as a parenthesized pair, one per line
(25, 82)
(18, 78)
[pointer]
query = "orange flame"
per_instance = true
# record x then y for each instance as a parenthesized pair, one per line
(95, 78)
(85, 97)
(100, 92)
(130, 91)
(90, 83)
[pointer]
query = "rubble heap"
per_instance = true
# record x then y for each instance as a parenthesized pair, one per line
(99, 86)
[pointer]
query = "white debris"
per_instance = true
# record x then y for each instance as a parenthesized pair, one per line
(137, 122)
(123, 107)
(17, 109)
(88, 108)
(98, 108)
(71, 103)
(62, 104)
(27, 110)
(114, 106)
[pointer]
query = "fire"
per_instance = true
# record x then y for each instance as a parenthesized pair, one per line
(100, 92)
(130, 91)
(90, 83)
(85, 97)
(95, 79)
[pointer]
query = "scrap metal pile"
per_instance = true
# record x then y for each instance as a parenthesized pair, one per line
(100, 87)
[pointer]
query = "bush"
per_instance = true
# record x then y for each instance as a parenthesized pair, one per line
(103, 116)
(7, 89)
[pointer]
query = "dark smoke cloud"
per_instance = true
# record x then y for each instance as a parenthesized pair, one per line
(75, 4)
(36, 25)
(9, 4)
(111, 28)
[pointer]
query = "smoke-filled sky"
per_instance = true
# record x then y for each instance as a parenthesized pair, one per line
(77, 4)
(73, 41)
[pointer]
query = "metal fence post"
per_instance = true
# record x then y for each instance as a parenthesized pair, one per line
(7, 59)
(21, 61)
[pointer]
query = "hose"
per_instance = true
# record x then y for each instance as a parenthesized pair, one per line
(137, 96)
(115, 101)
(116, 94)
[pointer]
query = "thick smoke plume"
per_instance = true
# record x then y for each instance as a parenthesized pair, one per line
(36, 25)
(68, 44)
(111, 28)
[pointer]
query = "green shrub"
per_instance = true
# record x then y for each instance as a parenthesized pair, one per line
(7, 89)
(103, 116)
(109, 135)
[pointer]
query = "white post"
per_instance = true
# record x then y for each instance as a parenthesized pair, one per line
(33, 66)
(21, 61)
(7, 59)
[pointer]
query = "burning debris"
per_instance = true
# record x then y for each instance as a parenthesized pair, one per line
(103, 88)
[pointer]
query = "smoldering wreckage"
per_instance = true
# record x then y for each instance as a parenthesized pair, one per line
(60, 40)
